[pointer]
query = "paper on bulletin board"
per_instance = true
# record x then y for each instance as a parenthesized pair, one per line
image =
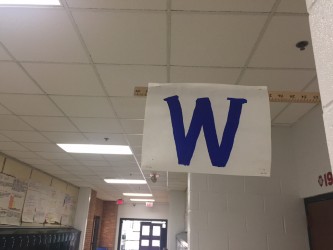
(36, 203)
(6, 185)
(207, 128)
(12, 195)
(69, 209)
(55, 209)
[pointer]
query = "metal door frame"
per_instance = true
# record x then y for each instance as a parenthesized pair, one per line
(138, 219)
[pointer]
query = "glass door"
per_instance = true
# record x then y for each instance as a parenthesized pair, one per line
(150, 236)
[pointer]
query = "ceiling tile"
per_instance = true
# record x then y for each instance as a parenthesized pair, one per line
(278, 80)
(135, 140)
(313, 87)
(62, 137)
(4, 111)
(21, 155)
(129, 107)
(5, 145)
(97, 125)
(4, 138)
(119, 158)
(124, 37)
(226, 5)
(96, 163)
(294, 112)
(11, 122)
(132, 126)
(213, 40)
(65, 79)
(78, 106)
(137, 150)
(60, 45)
(3, 54)
(36, 162)
(50, 123)
(42, 147)
(277, 48)
(112, 139)
(64, 162)
(89, 157)
(29, 105)
(120, 80)
(14, 80)
(204, 75)
(276, 108)
(54, 156)
(294, 6)
(119, 4)
(56, 171)
(24, 136)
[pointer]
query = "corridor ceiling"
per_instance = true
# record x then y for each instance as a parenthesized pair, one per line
(67, 74)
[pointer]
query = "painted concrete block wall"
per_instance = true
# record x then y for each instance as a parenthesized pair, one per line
(176, 222)
(311, 153)
(250, 213)
(321, 23)
(82, 211)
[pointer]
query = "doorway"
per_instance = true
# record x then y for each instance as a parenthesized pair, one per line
(142, 234)
(95, 233)
(320, 221)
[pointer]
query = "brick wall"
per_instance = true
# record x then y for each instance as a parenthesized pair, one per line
(107, 210)
(109, 225)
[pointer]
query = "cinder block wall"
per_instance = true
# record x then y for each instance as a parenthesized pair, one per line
(250, 213)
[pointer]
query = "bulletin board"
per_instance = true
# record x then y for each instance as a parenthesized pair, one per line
(35, 198)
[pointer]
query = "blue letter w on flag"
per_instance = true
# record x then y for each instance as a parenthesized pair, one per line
(203, 117)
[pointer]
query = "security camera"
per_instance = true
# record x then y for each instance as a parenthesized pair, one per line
(154, 177)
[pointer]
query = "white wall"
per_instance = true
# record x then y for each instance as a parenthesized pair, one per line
(250, 213)
(311, 153)
(176, 223)
(140, 211)
(82, 211)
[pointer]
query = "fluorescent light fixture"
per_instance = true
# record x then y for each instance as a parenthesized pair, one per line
(31, 2)
(96, 149)
(151, 200)
(124, 181)
(137, 194)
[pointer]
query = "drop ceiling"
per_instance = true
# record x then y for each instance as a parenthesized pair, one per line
(67, 74)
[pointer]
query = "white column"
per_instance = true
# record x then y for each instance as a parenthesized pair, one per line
(321, 25)
(176, 221)
(82, 211)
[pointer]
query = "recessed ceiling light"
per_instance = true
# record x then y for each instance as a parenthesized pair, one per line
(124, 181)
(31, 2)
(137, 194)
(151, 200)
(96, 149)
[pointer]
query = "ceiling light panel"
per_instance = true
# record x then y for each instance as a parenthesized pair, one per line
(96, 149)
(144, 200)
(137, 194)
(125, 181)
(30, 2)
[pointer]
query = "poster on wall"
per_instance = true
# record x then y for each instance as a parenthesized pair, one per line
(36, 203)
(12, 195)
(207, 128)
(55, 208)
(69, 208)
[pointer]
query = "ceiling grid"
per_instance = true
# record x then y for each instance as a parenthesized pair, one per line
(68, 74)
